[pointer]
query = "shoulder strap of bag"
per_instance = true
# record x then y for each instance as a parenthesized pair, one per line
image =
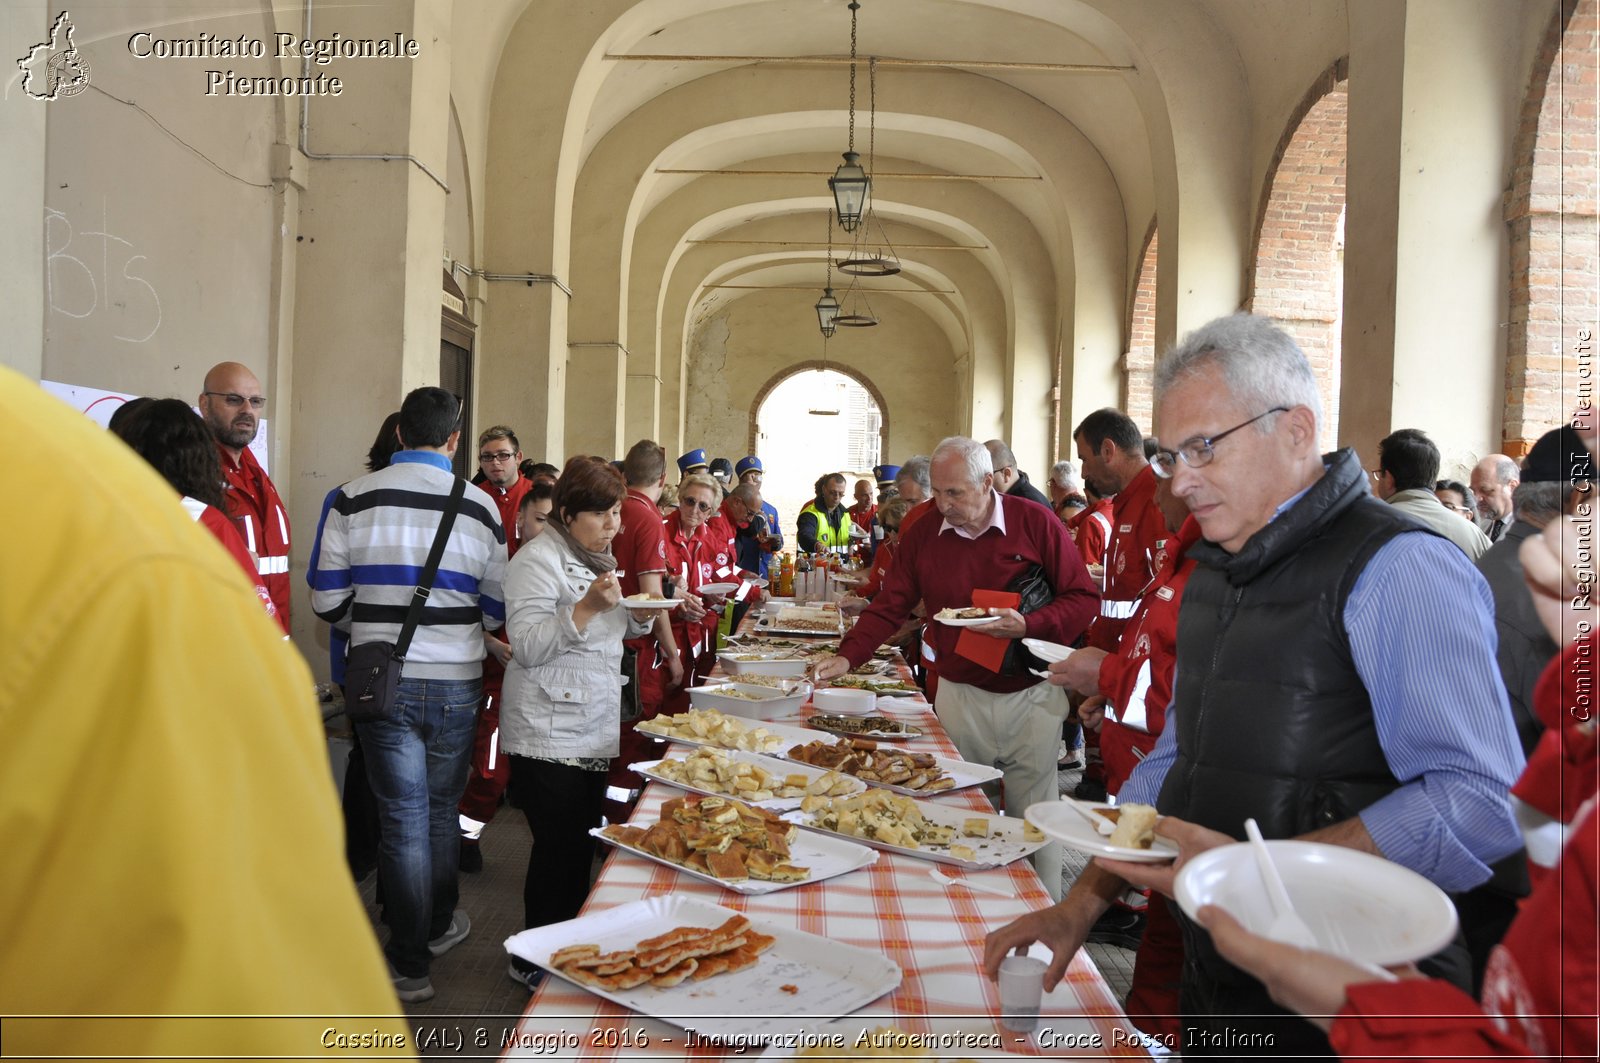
(425, 585)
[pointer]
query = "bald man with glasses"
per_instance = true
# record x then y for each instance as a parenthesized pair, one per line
(231, 403)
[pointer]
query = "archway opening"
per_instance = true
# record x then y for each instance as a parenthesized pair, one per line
(1299, 264)
(815, 422)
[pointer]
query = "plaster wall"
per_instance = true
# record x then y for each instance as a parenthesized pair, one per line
(737, 350)
(23, 125)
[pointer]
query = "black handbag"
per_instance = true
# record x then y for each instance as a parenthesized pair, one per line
(1034, 587)
(632, 705)
(372, 669)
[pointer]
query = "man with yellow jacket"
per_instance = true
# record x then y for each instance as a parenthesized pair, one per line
(173, 848)
(824, 524)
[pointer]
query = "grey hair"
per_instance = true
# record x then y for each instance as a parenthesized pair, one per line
(1260, 364)
(1540, 503)
(1505, 470)
(1064, 473)
(973, 453)
(749, 494)
(916, 470)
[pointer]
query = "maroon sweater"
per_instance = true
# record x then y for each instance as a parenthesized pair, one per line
(941, 570)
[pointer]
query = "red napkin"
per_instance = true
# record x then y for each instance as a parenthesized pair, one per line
(986, 649)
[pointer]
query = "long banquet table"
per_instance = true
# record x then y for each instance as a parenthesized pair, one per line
(934, 933)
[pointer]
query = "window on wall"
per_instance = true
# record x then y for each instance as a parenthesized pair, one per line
(1299, 263)
(815, 422)
(1551, 217)
(1139, 363)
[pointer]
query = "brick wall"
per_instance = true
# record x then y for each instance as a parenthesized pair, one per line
(1550, 212)
(1298, 273)
(1139, 363)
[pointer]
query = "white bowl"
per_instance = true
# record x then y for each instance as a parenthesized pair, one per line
(843, 701)
(788, 666)
(769, 703)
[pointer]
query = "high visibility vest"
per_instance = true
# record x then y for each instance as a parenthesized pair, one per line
(827, 538)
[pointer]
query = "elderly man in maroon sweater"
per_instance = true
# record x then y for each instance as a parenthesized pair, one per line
(986, 542)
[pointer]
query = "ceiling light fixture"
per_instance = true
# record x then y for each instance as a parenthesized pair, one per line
(869, 258)
(828, 307)
(850, 183)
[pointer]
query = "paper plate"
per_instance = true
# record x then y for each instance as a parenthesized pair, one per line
(1063, 822)
(661, 603)
(1359, 906)
(974, 621)
(1048, 651)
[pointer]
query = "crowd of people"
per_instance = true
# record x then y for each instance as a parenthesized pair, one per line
(1378, 659)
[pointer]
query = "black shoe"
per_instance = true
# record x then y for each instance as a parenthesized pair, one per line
(1123, 927)
(529, 976)
(471, 859)
(1090, 790)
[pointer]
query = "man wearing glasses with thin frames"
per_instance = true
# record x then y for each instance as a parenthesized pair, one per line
(231, 402)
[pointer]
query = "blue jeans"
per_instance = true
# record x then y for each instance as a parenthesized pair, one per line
(417, 764)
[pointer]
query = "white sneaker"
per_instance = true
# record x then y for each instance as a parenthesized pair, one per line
(454, 934)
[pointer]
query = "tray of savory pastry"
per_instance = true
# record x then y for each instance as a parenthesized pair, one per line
(904, 772)
(750, 777)
(739, 847)
(695, 964)
(923, 829)
(802, 620)
(717, 730)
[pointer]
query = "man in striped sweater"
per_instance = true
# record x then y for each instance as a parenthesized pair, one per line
(370, 555)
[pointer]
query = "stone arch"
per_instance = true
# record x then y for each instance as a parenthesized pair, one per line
(810, 366)
(1551, 217)
(1139, 360)
(1297, 269)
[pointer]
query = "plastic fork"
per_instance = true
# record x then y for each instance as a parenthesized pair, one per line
(982, 887)
(1286, 926)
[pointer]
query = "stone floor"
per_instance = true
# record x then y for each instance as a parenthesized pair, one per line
(473, 991)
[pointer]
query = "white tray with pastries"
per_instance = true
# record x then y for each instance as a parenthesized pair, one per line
(817, 620)
(714, 729)
(776, 977)
(890, 767)
(923, 829)
(739, 847)
(750, 777)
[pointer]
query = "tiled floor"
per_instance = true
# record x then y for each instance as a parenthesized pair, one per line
(476, 1000)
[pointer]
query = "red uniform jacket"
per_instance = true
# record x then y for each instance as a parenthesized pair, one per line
(1136, 526)
(212, 520)
(509, 499)
(1136, 681)
(692, 563)
(1091, 530)
(257, 512)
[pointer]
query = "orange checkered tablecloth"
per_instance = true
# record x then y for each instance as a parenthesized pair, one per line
(934, 933)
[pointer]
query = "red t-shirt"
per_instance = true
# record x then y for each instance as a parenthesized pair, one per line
(640, 547)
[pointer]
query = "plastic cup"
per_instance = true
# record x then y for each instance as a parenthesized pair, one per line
(1021, 989)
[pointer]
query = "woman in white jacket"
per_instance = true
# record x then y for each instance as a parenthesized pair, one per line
(561, 712)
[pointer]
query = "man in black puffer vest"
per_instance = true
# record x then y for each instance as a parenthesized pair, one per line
(1329, 682)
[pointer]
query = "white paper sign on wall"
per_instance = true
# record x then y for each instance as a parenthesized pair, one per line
(99, 405)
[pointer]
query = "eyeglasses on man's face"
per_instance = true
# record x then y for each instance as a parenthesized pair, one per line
(496, 457)
(233, 400)
(1198, 453)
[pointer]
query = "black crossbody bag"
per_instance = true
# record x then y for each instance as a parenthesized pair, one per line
(372, 669)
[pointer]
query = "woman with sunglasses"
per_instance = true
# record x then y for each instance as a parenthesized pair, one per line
(699, 551)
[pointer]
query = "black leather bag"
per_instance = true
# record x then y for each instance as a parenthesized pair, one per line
(372, 669)
(632, 706)
(1034, 587)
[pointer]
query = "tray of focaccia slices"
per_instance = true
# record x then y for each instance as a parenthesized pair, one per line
(752, 778)
(745, 849)
(890, 768)
(695, 964)
(923, 829)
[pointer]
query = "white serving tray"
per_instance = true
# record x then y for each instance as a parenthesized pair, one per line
(829, 978)
(1004, 845)
(827, 855)
(965, 773)
(769, 664)
(775, 766)
(790, 735)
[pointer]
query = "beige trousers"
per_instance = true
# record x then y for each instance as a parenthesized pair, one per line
(1018, 733)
